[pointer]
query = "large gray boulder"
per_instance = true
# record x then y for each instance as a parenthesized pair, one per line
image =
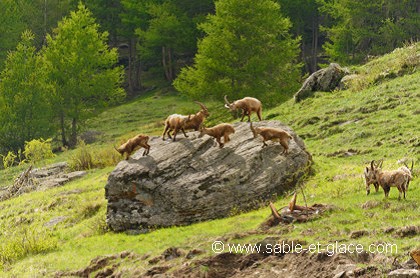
(324, 80)
(193, 180)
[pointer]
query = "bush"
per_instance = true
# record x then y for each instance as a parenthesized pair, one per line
(83, 158)
(86, 158)
(38, 150)
(9, 160)
(25, 242)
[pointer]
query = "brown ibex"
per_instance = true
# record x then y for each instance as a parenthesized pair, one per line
(219, 131)
(196, 120)
(248, 105)
(175, 122)
(370, 179)
(387, 179)
(273, 134)
(134, 144)
(408, 171)
(193, 121)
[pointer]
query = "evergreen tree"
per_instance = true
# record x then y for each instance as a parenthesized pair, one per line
(366, 27)
(247, 51)
(82, 69)
(11, 26)
(24, 107)
(169, 34)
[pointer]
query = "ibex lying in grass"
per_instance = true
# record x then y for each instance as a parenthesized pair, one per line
(248, 105)
(273, 134)
(175, 122)
(386, 179)
(219, 131)
(134, 144)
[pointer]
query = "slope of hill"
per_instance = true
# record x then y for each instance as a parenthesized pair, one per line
(63, 229)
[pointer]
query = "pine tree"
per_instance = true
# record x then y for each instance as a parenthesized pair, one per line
(247, 51)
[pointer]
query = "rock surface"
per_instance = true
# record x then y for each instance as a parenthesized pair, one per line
(192, 180)
(41, 179)
(324, 80)
(404, 273)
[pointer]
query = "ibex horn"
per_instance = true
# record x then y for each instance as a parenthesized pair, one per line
(371, 164)
(201, 105)
(226, 100)
(381, 161)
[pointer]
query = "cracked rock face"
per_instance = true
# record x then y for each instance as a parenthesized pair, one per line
(193, 180)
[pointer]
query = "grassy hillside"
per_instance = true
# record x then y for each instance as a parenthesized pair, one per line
(378, 117)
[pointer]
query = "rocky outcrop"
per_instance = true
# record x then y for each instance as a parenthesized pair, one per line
(40, 179)
(192, 180)
(324, 80)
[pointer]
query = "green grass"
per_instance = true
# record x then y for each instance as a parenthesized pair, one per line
(379, 120)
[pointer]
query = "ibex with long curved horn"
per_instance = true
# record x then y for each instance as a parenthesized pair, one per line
(195, 121)
(248, 105)
(180, 122)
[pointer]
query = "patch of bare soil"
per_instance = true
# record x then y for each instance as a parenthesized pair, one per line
(286, 265)
(175, 262)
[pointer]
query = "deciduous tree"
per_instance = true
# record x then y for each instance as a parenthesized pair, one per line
(82, 69)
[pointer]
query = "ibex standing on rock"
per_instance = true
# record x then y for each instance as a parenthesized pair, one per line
(248, 105)
(175, 122)
(273, 134)
(196, 120)
(134, 144)
(219, 131)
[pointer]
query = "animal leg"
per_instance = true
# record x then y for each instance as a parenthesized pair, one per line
(220, 143)
(169, 133)
(183, 131)
(243, 115)
(285, 146)
(164, 132)
(376, 185)
(264, 144)
(174, 134)
(386, 190)
(259, 114)
(226, 138)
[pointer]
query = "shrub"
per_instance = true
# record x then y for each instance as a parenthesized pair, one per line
(82, 158)
(9, 160)
(37, 150)
(25, 242)
(104, 157)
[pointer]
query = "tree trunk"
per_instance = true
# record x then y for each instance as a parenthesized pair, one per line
(73, 135)
(170, 66)
(315, 35)
(63, 130)
(164, 65)
(133, 67)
